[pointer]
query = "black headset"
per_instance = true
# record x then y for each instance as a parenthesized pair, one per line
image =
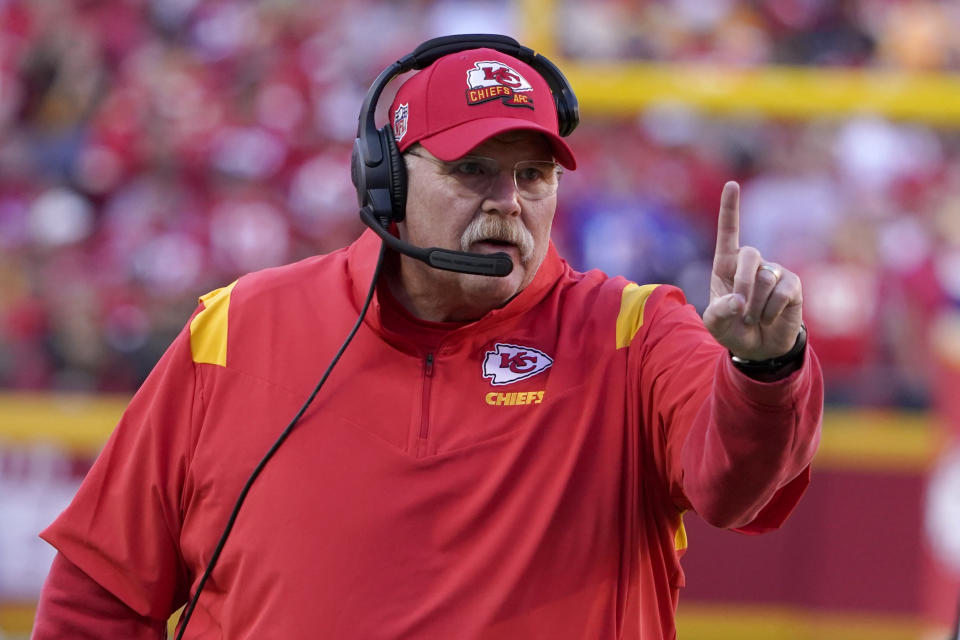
(377, 167)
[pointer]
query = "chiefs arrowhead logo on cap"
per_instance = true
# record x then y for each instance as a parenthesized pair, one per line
(491, 80)
(509, 363)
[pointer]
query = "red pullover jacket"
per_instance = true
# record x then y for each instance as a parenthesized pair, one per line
(521, 476)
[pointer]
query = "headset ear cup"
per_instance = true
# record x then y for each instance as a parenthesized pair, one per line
(568, 112)
(397, 173)
(356, 173)
(565, 121)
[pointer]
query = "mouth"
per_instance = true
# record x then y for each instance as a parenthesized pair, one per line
(494, 244)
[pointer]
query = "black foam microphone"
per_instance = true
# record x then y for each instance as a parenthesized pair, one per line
(495, 264)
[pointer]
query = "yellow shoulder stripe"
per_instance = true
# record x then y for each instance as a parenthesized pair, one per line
(632, 301)
(680, 537)
(208, 329)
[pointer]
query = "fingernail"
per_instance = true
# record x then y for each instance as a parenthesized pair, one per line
(734, 302)
(748, 320)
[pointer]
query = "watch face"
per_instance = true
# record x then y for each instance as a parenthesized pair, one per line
(943, 509)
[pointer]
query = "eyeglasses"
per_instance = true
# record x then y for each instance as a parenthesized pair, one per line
(475, 175)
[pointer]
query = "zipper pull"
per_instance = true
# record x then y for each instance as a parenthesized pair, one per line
(428, 365)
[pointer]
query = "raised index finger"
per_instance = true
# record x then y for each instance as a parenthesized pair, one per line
(728, 222)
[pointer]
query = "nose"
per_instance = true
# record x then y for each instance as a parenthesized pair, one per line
(503, 197)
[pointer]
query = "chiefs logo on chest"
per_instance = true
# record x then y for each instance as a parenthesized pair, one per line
(509, 363)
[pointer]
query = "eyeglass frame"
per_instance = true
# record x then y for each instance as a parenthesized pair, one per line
(557, 170)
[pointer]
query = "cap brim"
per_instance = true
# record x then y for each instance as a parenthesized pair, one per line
(459, 140)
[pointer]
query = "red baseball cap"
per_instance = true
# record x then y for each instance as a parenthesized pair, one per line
(467, 97)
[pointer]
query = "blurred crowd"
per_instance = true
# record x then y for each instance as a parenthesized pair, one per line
(902, 34)
(153, 150)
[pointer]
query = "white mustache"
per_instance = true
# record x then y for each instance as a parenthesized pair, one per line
(492, 227)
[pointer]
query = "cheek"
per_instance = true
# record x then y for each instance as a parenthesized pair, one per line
(433, 217)
(540, 223)
(419, 206)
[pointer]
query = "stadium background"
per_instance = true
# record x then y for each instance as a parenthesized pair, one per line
(152, 150)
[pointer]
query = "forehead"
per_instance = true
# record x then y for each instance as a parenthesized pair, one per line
(528, 145)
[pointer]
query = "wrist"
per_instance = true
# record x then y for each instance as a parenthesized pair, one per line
(778, 367)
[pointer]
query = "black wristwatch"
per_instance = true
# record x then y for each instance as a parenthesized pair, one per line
(772, 365)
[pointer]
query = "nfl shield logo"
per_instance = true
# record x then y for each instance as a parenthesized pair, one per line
(400, 121)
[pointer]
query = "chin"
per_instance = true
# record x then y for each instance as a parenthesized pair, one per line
(494, 292)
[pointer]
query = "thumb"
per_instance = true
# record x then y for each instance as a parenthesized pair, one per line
(722, 312)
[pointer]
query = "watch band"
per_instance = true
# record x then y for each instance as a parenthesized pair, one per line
(772, 365)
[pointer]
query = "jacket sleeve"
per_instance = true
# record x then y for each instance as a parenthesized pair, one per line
(734, 449)
(123, 527)
(72, 605)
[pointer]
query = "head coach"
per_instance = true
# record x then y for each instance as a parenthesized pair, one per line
(498, 446)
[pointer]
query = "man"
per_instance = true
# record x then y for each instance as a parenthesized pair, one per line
(491, 458)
